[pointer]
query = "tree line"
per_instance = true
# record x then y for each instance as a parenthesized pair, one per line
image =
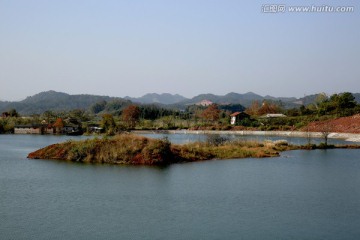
(116, 115)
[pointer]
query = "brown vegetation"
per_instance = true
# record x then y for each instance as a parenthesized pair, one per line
(130, 115)
(266, 107)
(211, 113)
(132, 149)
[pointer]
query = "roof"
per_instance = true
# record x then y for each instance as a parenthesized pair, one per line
(235, 114)
(29, 126)
(238, 113)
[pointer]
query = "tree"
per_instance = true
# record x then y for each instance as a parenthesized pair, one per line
(211, 113)
(346, 104)
(48, 115)
(168, 121)
(269, 107)
(59, 124)
(253, 109)
(98, 107)
(13, 113)
(341, 104)
(130, 115)
(320, 98)
(325, 129)
(108, 123)
(266, 107)
(79, 114)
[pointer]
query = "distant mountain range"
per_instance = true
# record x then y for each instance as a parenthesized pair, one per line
(164, 98)
(58, 101)
(231, 98)
(54, 101)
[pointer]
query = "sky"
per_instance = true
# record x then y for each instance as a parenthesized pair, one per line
(189, 47)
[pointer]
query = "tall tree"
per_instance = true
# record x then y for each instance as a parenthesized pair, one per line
(211, 113)
(254, 108)
(59, 124)
(49, 116)
(108, 123)
(130, 115)
(269, 107)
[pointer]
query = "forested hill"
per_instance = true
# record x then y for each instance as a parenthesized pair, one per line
(57, 101)
(164, 98)
(231, 98)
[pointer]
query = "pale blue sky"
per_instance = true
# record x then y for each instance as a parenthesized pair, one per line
(133, 47)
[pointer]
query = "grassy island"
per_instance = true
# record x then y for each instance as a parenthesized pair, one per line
(133, 149)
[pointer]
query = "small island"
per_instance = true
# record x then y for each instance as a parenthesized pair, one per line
(137, 150)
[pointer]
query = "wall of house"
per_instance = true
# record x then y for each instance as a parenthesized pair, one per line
(233, 120)
(27, 130)
(49, 130)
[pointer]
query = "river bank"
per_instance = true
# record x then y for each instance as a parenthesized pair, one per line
(351, 137)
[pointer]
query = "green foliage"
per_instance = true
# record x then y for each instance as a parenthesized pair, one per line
(343, 104)
(248, 122)
(116, 106)
(79, 151)
(152, 112)
(7, 124)
(13, 113)
(80, 115)
(216, 139)
(168, 122)
(108, 123)
(98, 107)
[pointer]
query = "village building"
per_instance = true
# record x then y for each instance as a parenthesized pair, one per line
(236, 117)
(30, 129)
(47, 129)
(94, 128)
(72, 129)
(204, 103)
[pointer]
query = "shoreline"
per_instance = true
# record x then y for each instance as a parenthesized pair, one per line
(351, 137)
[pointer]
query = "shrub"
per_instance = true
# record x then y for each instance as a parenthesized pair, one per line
(281, 143)
(157, 151)
(216, 139)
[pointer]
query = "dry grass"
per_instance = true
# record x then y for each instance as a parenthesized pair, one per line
(132, 149)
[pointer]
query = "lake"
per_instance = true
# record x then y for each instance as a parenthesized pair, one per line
(300, 195)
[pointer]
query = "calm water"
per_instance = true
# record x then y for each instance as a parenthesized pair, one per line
(190, 137)
(301, 195)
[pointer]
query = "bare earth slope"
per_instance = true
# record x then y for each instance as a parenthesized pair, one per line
(341, 125)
